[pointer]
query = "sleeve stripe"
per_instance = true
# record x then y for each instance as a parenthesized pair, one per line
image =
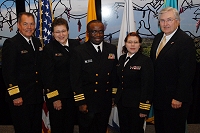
(52, 94)
(79, 97)
(13, 90)
(145, 106)
(114, 90)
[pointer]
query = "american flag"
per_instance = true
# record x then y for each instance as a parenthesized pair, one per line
(43, 32)
(44, 20)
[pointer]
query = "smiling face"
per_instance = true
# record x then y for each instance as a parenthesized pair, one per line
(168, 22)
(60, 33)
(96, 33)
(132, 44)
(26, 26)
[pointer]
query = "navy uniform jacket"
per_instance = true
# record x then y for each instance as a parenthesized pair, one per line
(174, 69)
(21, 67)
(92, 79)
(56, 67)
(136, 82)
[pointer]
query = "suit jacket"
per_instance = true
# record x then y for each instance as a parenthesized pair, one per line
(136, 82)
(174, 69)
(22, 70)
(56, 67)
(92, 78)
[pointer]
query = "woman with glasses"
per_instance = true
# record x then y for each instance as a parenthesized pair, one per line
(135, 90)
(59, 95)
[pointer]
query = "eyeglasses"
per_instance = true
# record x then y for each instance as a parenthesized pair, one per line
(58, 32)
(132, 42)
(169, 20)
(95, 32)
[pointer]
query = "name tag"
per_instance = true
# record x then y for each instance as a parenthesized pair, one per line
(135, 67)
(24, 51)
(58, 54)
(88, 61)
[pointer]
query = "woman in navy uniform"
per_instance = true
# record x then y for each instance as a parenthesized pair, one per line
(134, 94)
(60, 101)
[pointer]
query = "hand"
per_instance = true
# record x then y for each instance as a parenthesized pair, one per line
(143, 115)
(18, 101)
(57, 105)
(83, 108)
(176, 104)
(113, 102)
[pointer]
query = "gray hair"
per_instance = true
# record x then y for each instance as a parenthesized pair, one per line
(167, 9)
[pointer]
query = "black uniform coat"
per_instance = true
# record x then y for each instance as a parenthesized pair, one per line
(56, 77)
(56, 67)
(21, 69)
(136, 82)
(92, 78)
(174, 69)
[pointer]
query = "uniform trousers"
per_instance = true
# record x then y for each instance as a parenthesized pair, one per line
(171, 120)
(26, 118)
(129, 119)
(62, 121)
(94, 122)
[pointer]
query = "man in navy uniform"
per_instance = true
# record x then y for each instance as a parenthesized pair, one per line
(21, 56)
(93, 72)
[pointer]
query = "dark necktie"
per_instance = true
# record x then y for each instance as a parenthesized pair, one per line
(99, 49)
(66, 47)
(31, 44)
(99, 52)
(126, 60)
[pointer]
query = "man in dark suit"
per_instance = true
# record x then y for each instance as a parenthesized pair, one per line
(173, 55)
(21, 56)
(60, 98)
(93, 71)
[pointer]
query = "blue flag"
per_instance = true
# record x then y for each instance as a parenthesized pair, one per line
(44, 21)
(171, 3)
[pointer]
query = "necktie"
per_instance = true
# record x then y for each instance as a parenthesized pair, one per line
(126, 60)
(160, 47)
(99, 52)
(31, 44)
(66, 47)
(99, 49)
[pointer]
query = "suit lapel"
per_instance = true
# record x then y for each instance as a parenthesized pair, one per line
(168, 45)
(131, 60)
(91, 51)
(155, 46)
(26, 45)
(71, 46)
(61, 48)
